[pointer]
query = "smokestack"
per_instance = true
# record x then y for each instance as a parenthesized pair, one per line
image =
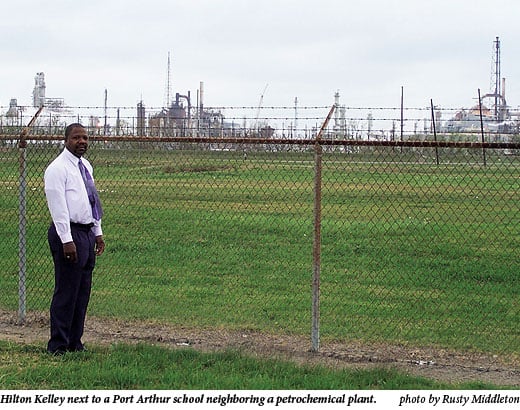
(503, 88)
(201, 102)
(141, 115)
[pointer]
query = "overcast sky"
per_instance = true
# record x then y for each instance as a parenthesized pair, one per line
(367, 50)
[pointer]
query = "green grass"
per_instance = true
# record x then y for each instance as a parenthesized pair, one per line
(412, 253)
(143, 367)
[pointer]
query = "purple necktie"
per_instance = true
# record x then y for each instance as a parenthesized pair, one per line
(93, 197)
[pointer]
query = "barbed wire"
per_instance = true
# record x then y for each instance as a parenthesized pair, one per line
(245, 107)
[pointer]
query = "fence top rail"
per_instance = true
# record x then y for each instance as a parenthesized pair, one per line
(282, 141)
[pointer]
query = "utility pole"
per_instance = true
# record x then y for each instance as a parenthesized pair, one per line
(295, 117)
(402, 111)
(105, 125)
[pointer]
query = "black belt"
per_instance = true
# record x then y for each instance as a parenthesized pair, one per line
(85, 227)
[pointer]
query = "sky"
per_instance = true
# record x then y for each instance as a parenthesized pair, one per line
(250, 52)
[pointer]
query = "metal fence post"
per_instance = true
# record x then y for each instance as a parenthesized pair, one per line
(481, 128)
(22, 221)
(316, 249)
(316, 254)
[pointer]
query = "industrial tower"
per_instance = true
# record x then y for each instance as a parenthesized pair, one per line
(39, 90)
(497, 86)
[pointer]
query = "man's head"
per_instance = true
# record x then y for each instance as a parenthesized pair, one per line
(76, 139)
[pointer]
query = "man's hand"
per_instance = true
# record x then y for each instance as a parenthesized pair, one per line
(69, 251)
(100, 245)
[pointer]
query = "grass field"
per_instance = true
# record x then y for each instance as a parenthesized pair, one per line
(412, 253)
(145, 367)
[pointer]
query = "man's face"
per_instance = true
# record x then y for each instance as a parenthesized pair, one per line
(77, 141)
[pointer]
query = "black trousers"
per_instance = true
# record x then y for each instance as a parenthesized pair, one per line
(72, 285)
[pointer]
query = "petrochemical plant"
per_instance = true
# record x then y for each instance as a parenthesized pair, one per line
(181, 116)
(492, 109)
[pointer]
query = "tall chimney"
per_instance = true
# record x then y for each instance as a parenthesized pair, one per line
(201, 96)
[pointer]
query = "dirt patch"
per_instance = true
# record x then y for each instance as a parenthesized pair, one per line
(437, 364)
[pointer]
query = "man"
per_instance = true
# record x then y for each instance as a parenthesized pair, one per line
(75, 239)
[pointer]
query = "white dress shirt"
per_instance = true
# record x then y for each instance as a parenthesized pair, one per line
(66, 195)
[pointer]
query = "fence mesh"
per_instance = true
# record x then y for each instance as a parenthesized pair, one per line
(419, 242)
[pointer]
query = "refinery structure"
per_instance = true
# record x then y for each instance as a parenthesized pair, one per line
(185, 115)
(55, 109)
(492, 112)
(178, 117)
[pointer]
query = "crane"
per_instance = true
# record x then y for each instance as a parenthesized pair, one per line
(259, 107)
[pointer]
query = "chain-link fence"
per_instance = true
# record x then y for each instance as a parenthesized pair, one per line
(403, 241)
